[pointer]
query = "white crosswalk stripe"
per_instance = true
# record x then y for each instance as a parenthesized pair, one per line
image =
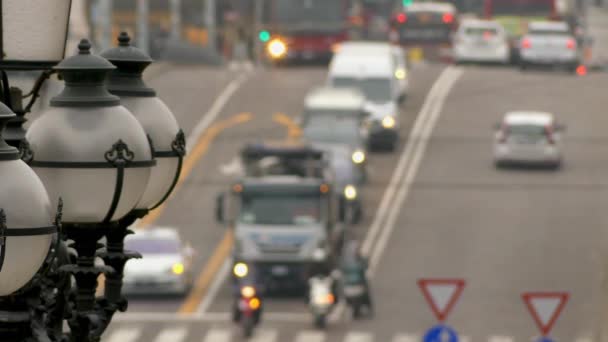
(310, 336)
(130, 334)
(500, 339)
(406, 338)
(357, 336)
(173, 335)
(265, 335)
(218, 335)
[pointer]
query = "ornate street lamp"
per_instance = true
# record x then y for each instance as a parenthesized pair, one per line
(93, 153)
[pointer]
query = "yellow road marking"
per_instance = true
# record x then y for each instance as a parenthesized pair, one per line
(209, 271)
(293, 129)
(201, 148)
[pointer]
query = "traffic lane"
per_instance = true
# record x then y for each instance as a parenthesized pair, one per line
(191, 208)
(189, 90)
(380, 167)
(505, 232)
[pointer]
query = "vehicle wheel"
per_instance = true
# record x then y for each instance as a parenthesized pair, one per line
(356, 310)
(320, 322)
(523, 66)
(236, 314)
(248, 326)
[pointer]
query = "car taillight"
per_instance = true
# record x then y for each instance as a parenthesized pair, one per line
(448, 18)
(526, 44)
(549, 134)
(401, 18)
(571, 44)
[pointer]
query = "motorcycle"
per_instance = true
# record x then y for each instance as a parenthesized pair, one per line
(355, 292)
(321, 299)
(248, 309)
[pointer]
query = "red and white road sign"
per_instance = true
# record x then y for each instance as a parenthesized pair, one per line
(545, 307)
(441, 294)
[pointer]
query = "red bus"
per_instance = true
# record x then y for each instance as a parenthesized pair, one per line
(303, 29)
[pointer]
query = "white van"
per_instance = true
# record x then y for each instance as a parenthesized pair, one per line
(374, 76)
(360, 48)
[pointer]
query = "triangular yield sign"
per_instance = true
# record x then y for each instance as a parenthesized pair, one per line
(441, 294)
(545, 307)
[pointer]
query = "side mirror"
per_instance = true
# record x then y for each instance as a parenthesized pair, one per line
(219, 208)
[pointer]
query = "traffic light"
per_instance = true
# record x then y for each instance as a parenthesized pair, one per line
(407, 3)
(264, 36)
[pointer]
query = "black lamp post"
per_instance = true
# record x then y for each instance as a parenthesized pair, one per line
(104, 165)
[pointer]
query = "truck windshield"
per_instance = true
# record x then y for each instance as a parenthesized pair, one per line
(328, 129)
(287, 209)
(304, 11)
(375, 89)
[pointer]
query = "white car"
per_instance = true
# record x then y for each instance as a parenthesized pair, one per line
(166, 266)
(482, 41)
(549, 43)
(365, 48)
(527, 137)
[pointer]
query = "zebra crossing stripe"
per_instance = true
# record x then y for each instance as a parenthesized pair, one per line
(356, 336)
(406, 338)
(500, 339)
(125, 335)
(264, 335)
(218, 335)
(310, 336)
(173, 335)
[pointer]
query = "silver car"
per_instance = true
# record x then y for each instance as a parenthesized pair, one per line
(527, 137)
(549, 43)
(166, 266)
(482, 41)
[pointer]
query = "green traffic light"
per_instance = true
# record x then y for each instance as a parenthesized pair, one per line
(264, 36)
(407, 3)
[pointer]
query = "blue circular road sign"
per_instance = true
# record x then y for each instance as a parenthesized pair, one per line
(545, 339)
(441, 333)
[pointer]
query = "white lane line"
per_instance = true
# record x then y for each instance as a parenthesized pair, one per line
(310, 336)
(387, 201)
(264, 335)
(130, 334)
(584, 339)
(500, 339)
(172, 334)
(216, 285)
(215, 110)
(420, 148)
(406, 338)
(357, 336)
(218, 335)
(216, 317)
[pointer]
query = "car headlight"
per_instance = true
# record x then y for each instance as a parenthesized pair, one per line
(350, 192)
(276, 48)
(358, 157)
(248, 291)
(319, 254)
(240, 269)
(178, 268)
(400, 74)
(388, 122)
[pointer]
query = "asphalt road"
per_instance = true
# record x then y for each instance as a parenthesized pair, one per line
(444, 210)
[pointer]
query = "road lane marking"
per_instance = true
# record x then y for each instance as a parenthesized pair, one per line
(421, 143)
(310, 336)
(208, 274)
(357, 336)
(500, 339)
(130, 334)
(264, 335)
(406, 338)
(173, 335)
(387, 203)
(218, 335)
(194, 156)
(293, 129)
(216, 286)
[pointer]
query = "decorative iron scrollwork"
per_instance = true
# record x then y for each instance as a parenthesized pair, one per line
(25, 151)
(119, 154)
(179, 143)
(59, 214)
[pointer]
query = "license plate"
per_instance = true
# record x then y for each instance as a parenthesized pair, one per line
(424, 18)
(280, 270)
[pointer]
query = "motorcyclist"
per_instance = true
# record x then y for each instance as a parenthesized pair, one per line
(253, 279)
(353, 268)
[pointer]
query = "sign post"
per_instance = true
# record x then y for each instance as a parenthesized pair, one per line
(441, 295)
(545, 308)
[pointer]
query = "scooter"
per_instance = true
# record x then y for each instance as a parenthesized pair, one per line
(355, 296)
(321, 299)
